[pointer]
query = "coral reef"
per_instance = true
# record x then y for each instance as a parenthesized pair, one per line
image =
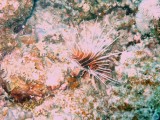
(27, 75)
(50, 51)
(14, 12)
(13, 17)
(91, 9)
(147, 12)
(7, 42)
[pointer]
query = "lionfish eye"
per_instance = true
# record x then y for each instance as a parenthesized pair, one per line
(88, 67)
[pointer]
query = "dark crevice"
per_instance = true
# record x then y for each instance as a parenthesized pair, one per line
(32, 11)
(44, 4)
(19, 27)
(130, 44)
(126, 7)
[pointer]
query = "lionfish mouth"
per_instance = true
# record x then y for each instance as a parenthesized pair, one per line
(96, 64)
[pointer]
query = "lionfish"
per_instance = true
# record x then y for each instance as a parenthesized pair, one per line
(90, 55)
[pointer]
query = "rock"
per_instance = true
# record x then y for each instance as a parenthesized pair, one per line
(28, 76)
(27, 39)
(15, 112)
(21, 116)
(1, 91)
(14, 12)
(22, 90)
(29, 114)
(4, 111)
(10, 115)
(7, 42)
(2, 103)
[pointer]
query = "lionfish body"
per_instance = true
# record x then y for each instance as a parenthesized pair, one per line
(91, 51)
(91, 56)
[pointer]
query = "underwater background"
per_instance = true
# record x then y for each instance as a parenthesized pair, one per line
(79, 59)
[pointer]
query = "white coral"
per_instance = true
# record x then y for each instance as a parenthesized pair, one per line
(148, 10)
(54, 76)
(14, 64)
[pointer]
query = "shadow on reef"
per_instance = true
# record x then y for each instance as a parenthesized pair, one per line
(19, 23)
